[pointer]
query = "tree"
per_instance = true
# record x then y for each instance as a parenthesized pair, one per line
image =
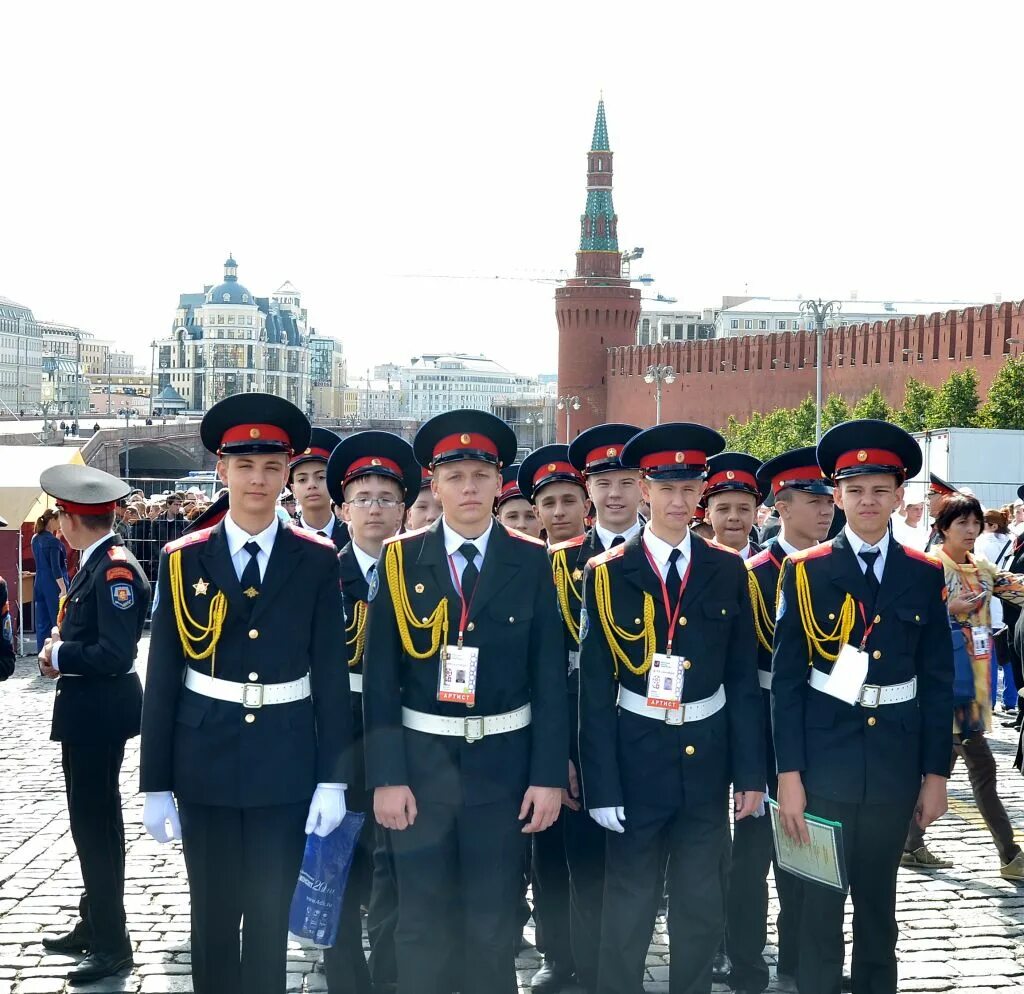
(956, 403)
(1005, 405)
(918, 398)
(873, 405)
(834, 412)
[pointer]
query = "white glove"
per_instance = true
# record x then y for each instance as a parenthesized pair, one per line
(762, 808)
(610, 818)
(327, 809)
(160, 816)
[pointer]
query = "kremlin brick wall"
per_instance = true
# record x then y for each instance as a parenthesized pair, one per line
(738, 376)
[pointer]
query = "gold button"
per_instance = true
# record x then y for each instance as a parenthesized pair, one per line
(724, 611)
(682, 622)
(872, 721)
(877, 654)
(917, 617)
(425, 620)
(636, 621)
(253, 676)
(878, 618)
(511, 619)
(470, 626)
(254, 633)
(690, 750)
(419, 588)
(250, 718)
(831, 616)
(687, 664)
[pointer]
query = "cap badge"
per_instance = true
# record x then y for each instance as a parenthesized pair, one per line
(375, 462)
(862, 456)
(464, 439)
(254, 433)
(680, 457)
(307, 452)
(730, 475)
(551, 467)
(611, 452)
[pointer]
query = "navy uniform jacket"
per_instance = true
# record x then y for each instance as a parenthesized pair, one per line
(204, 749)
(354, 593)
(99, 696)
(846, 752)
(514, 622)
(627, 758)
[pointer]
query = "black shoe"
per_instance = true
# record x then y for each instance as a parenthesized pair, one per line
(96, 966)
(74, 942)
(550, 977)
(721, 967)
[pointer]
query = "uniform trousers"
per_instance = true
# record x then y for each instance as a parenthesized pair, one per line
(382, 913)
(981, 770)
(753, 852)
(551, 893)
(243, 864)
(873, 837)
(693, 838)
(584, 851)
(458, 869)
(91, 774)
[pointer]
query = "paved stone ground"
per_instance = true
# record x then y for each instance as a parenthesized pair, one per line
(960, 929)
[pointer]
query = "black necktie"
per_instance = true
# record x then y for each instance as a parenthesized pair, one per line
(618, 540)
(470, 573)
(869, 556)
(673, 582)
(251, 573)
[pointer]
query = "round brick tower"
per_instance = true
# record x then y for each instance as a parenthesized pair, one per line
(597, 309)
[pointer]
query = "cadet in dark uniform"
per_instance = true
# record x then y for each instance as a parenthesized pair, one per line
(938, 491)
(804, 501)
(374, 476)
(511, 508)
(732, 498)
(97, 706)
(307, 480)
(863, 608)
(557, 490)
(670, 714)
(247, 713)
(464, 712)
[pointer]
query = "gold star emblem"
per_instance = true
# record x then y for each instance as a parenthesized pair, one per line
(419, 588)
(611, 452)
(730, 475)
(862, 456)
(251, 592)
(464, 439)
(577, 574)
(200, 587)
(254, 433)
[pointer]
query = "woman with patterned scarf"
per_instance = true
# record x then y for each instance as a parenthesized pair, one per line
(972, 582)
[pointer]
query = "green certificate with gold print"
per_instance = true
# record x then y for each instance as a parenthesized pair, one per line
(821, 862)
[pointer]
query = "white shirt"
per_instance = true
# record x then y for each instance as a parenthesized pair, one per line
(365, 560)
(786, 547)
(86, 553)
(453, 541)
(607, 537)
(660, 551)
(858, 545)
(744, 552)
(327, 529)
(237, 539)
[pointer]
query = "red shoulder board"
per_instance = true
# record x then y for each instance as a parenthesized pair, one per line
(305, 533)
(523, 537)
(402, 536)
(764, 556)
(923, 557)
(814, 552)
(607, 556)
(118, 553)
(717, 545)
(193, 538)
(569, 543)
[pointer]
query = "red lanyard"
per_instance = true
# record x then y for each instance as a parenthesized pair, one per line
(673, 616)
(867, 628)
(464, 616)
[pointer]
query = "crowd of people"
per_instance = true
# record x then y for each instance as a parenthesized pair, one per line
(622, 674)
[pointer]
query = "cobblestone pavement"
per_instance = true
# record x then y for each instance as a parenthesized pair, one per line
(960, 929)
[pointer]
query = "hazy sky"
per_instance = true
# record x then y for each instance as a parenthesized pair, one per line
(786, 147)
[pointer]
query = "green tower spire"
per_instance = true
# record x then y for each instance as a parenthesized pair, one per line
(598, 225)
(600, 142)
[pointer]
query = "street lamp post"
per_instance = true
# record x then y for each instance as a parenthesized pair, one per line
(78, 375)
(152, 376)
(568, 403)
(127, 412)
(821, 311)
(106, 359)
(659, 374)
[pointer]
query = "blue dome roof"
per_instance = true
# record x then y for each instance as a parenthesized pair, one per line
(229, 292)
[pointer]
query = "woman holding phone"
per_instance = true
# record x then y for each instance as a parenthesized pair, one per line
(972, 582)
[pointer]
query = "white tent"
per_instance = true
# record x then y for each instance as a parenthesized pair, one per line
(20, 468)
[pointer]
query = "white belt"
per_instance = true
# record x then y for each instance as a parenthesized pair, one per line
(249, 695)
(873, 694)
(764, 677)
(687, 711)
(355, 682)
(473, 729)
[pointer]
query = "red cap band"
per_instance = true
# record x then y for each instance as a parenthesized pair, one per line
(868, 457)
(318, 453)
(605, 452)
(256, 433)
(686, 457)
(510, 489)
(372, 463)
(938, 488)
(68, 507)
(425, 477)
(783, 480)
(467, 441)
(731, 476)
(699, 512)
(549, 468)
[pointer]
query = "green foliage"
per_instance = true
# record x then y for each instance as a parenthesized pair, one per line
(834, 412)
(918, 398)
(956, 402)
(1005, 405)
(873, 405)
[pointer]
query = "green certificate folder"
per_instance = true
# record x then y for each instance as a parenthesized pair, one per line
(821, 862)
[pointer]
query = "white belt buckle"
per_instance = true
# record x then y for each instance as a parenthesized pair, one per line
(474, 729)
(870, 695)
(252, 696)
(675, 716)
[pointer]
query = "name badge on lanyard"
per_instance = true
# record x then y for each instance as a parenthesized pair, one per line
(456, 679)
(665, 681)
(574, 661)
(981, 639)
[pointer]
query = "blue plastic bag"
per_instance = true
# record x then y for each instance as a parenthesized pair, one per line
(316, 904)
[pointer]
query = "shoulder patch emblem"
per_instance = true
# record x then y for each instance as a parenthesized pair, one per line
(119, 573)
(374, 586)
(923, 557)
(118, 553)
(814, 552)
(305, 533)
(607, 556)
(569, 543)
(193, 538)
(522, 536)
(123, 595)
(402, 536)
(780, 608)
(584, 623)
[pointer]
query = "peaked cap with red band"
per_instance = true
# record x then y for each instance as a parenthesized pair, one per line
(797, 469)
(82, 489)
(322, 442)
(373, 453)
(937, 485)
(465, 434)
(857, 448)
(598, 449)
(733, 471)
(509, 486)
(254, 424)
(548, 464)
(676, 451)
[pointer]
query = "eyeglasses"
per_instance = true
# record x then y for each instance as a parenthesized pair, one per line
(384, 503)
